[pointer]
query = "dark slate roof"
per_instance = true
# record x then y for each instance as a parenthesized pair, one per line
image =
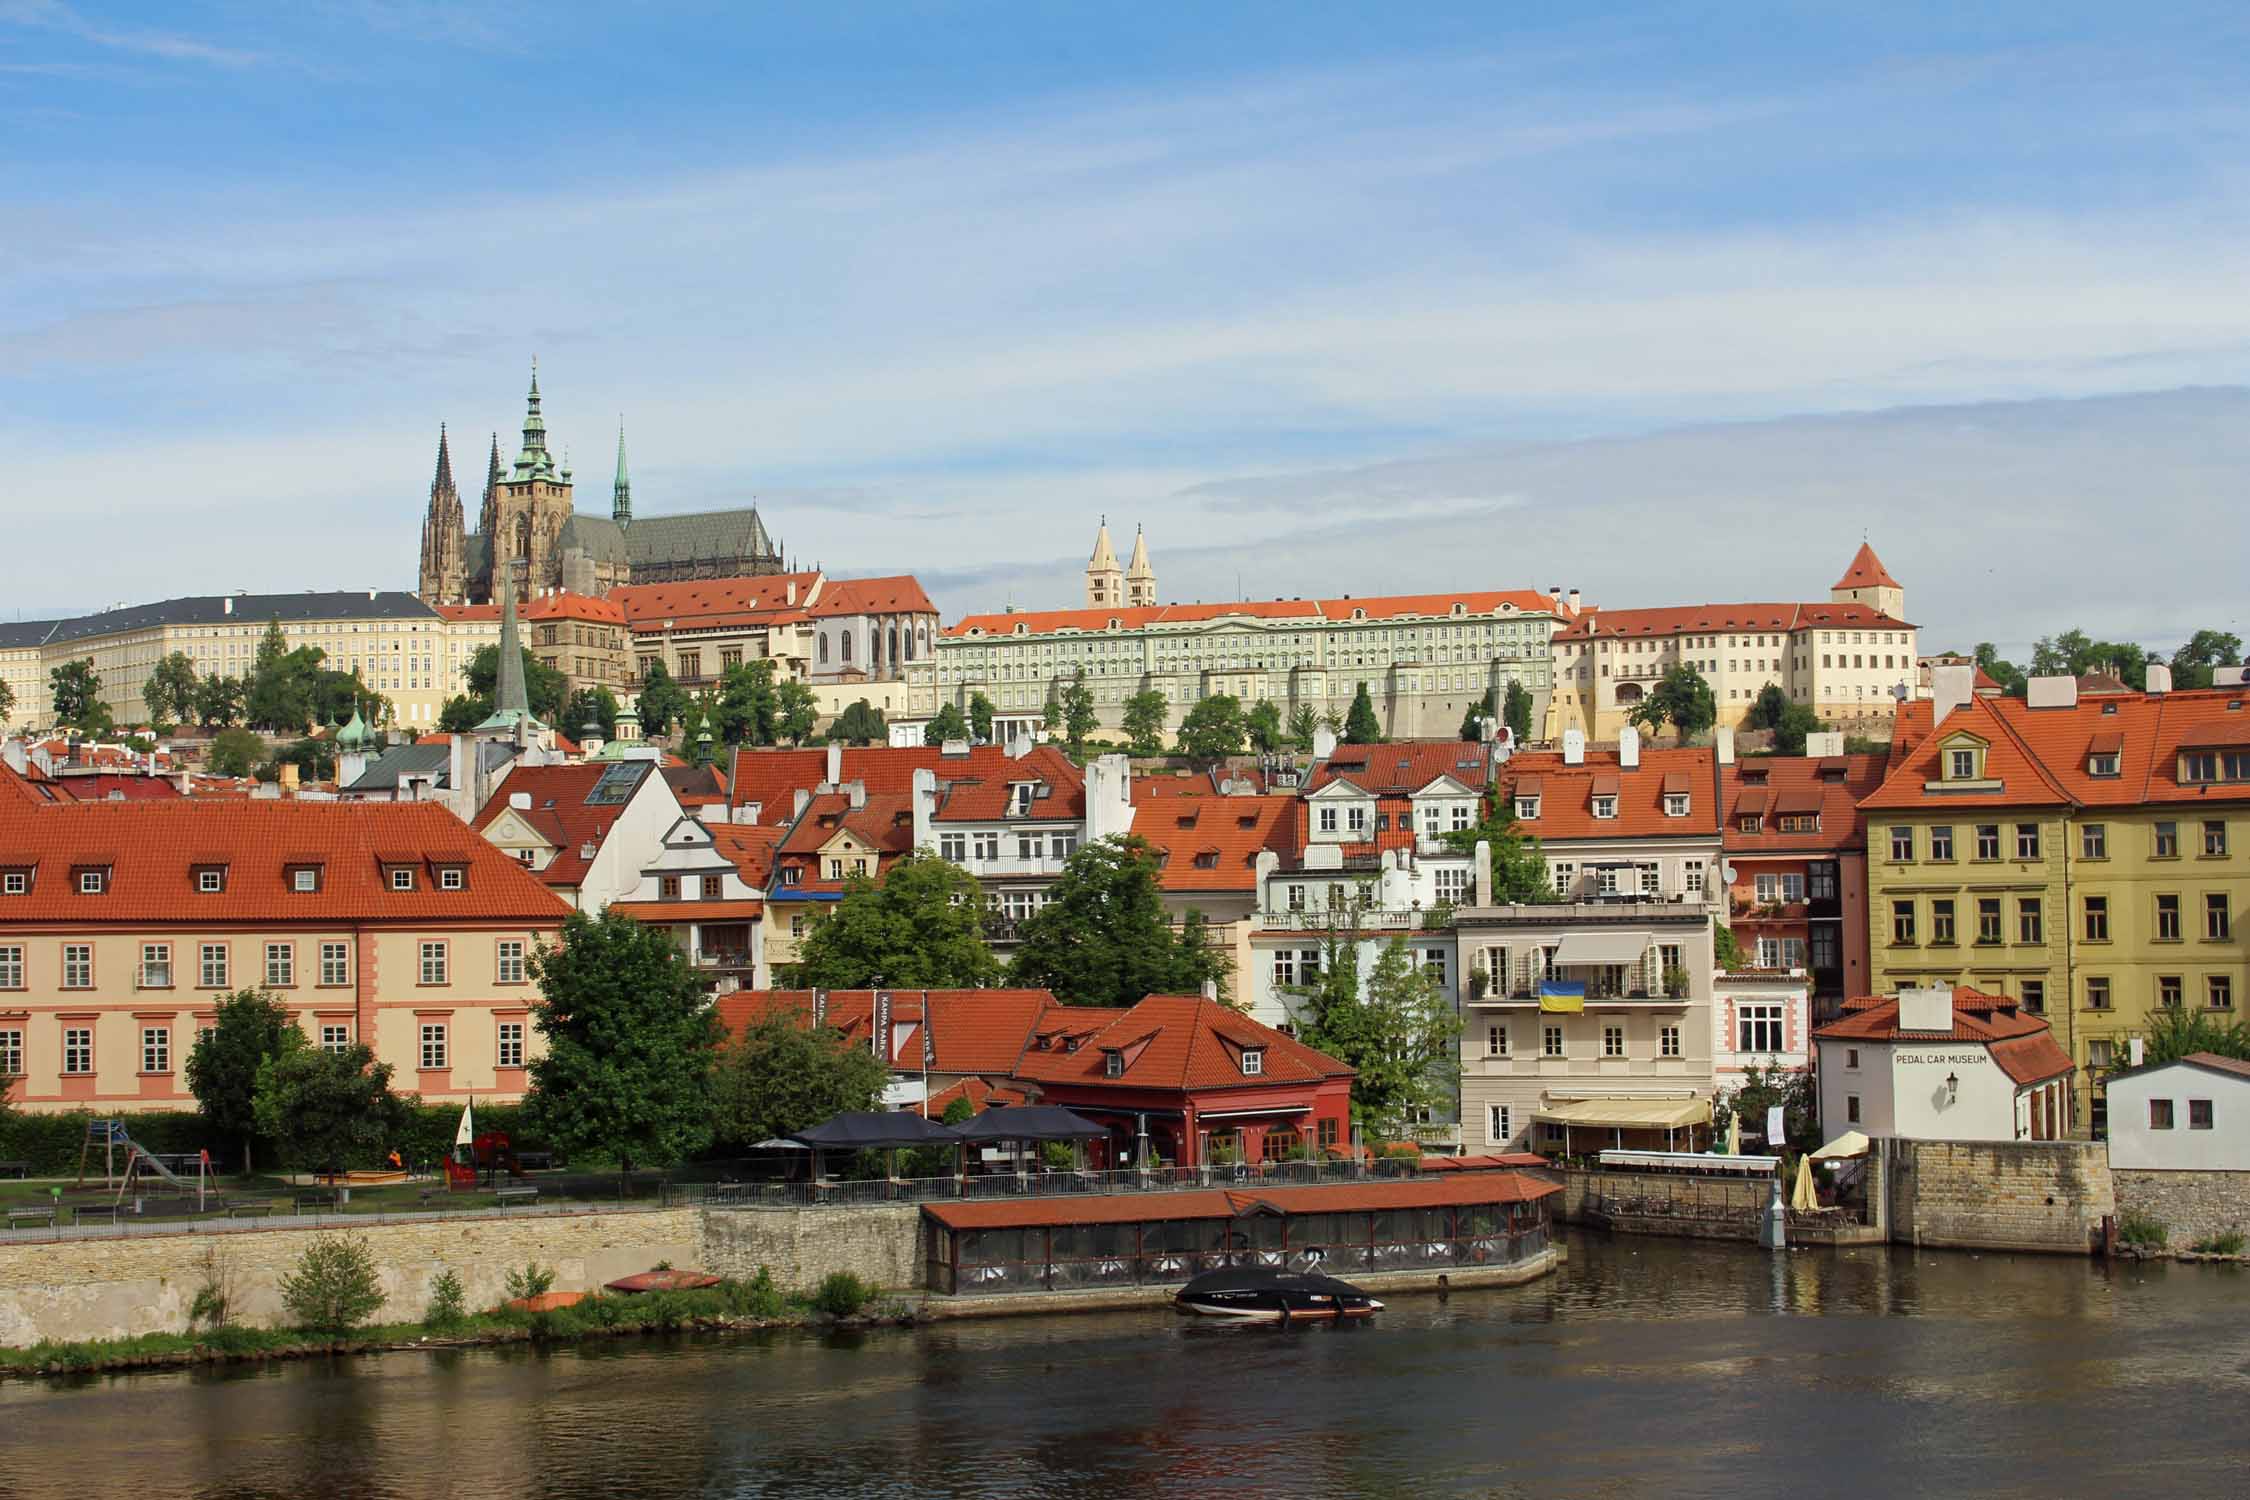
(18, 633)
(691, 537)
(249, 609)
(383, 772)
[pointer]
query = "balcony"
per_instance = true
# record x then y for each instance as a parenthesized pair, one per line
(722, 959)
(1605, 986)
(1743, 909)
(1413, 920)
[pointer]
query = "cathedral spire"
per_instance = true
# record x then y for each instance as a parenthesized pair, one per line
(511, 699)
(444, 482)
(534, 462)
(621, 492)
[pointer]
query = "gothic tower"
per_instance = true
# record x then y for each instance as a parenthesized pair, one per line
(621, 489)
(1140, 575)
(443, 535)
(1868, 582)
(1105, 580)
(531, 503)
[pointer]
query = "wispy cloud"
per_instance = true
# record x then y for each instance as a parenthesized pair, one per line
(53, 15)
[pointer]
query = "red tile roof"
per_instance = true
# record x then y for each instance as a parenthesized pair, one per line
(772, 778)
(153, 848)
(885, 823)
(2022, 1045)
(107, 786)
(899, 595)
(1508, 602)
(2234, 1065)
(980, 1094)
(979, 791)
(2024, 782)
(561, 814)
(1212, 843)
(25, 791)
(1170, 1042)
(1867, 572)
(1460, 1189)
(750, 846)
(560, 605)
(716, 601)
(973, 1031)
(1722, 619)
(1403, 767)
(1566, 793)
(1832, 785)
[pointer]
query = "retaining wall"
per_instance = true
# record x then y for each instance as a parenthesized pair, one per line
(1721, 1208)
(2193, 1206)
(1999, 1195)
(878, 1243)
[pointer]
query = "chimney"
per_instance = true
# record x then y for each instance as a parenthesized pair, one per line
(1323, 742)
(1628, 748)
(925, 806)
(1929, 1010)
(1951, 687)
(226, 605)
(804, 800)
(1722, 740)
(2044, 692)
(1554, 592)
(1572, 598)
(2159, 679)
(1483, 890)
(835, 774)
(1210, 989)
(288, 772)
(857, 793)
(792, 591)
(520, 801)
(1573, 747)
(12, 753)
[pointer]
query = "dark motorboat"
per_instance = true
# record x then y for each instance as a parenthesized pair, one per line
(1256, 1294)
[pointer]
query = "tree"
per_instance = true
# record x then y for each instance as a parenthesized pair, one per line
(795, 712)
(1361, 727)
(218, 701)
(630, 1038)
(596, 706)
(77, 689)
(334, 1288)
(920, 928)
(1400, 1033)
(235, 752)
(946, 725)
(1303, 724)
(462, 714)
(2175, 1031)
(1263, 725)
(326, 1111)
(663, 702)
(2074, 654)
(544, 687)
(2006, 673)
(1474, 716)
(1104, 938)
(1143, 722)
(746, 710)
(7, 702)
(860, 725)
(1767, 710)
(980, 718)
(1213, 728)
(1680, 698)
(1519, 870)
(781, 1073)
(315, 760)
(1516, 711)
(1726, 953)
(2192, 663)
(1797, 721)
(273, 645)
(1762, 1087)
(1079, 716)
(170, 691)
(222, 1071)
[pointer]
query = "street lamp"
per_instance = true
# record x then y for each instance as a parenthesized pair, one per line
(1952, 1087)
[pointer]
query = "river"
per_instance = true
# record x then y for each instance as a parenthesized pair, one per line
(1645, 1367)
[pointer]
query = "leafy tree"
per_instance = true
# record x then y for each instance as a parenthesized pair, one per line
(1361, 727)
(596, 706)
(1213, 728)
(462, 714)
(1766, 712)
(980, 718)
(545, 687)
(218, 701)
(2174, 1031)
(920, 928)
(315, 760)
(1474, 716)
(2074, 654)
(860, 725)
(663, 702)
(1680, 698)
(630, 1039)
(7, 702)
(947, 724)
(77, 688)
(781, 1073)
(96, 722)
(1303, 723)
(2006, 673)
(1079, 716)
(334, 1288)
(2192, 663)
(795, 712)
(273, 645)
(1263, 725)
(1104, 938)
(1519, 870)
(1515, 711)
(1762, 1087)
(746, 709)
(326, 1111)
(170, 689)
(1797, 721)
(1400, 1032)
(1143, 722)
(248, 1027)
(1725, 951)
(235, 752)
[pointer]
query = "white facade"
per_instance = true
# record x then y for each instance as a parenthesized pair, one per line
(1762, 1019)
(1919, 1091)
(679, 876)
(2181, 1117)
(613, 870)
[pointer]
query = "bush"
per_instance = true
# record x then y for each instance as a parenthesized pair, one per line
(216, 1295)
(334, 1289)
(2229, 1243)
(2144, 1231)
(758, 1298)
(532, 1281)
(448, 1305)
(841, 1294)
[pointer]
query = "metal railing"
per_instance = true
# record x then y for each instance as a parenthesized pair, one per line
(1040, 1183)
(1367, 921)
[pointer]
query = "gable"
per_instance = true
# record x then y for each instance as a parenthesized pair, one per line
(512, 830)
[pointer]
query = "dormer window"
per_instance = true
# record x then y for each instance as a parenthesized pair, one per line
(15, 882)
(452, 878)
(789, 874)
(1750, 822)
(1113, 1063)
(1019, 798)
(1675, 804)
(1961, 765)
(92, 882)
(402, 879)
(2103, 765)
(1527, 808)
(1207, 860)
(1253, 1062)
(304, 879)
(1605, 807)
(210, 880)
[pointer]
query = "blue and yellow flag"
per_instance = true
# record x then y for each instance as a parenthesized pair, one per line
(1561, 996)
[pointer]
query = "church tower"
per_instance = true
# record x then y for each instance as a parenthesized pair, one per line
(1105, 580)
(621, 488)
(1868, 582)
(1140, 575)
(529, 507)
(442, 578)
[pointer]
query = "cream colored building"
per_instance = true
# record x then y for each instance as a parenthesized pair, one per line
(23, 667)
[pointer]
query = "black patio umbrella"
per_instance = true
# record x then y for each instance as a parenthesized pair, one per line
(875, 1130)
(1029, 1122)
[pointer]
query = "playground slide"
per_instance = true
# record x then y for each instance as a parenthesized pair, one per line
(133, 1148)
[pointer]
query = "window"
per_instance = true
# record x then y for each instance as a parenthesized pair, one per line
(1757, 1028)
(1495, 1041)
(78, 966)
(11, 1054)
(796, 924)
(1452, 886)
(156, 966)
(2099, 1053)
(953, 846)
(1253, 1062)
(1675, 804)
(1433, 964)
(508, 966)
(2169, 990)
(2027, 841)
(1605, 807)
(987, 845)
(1902, 921)
(2160, 1114)
(1566, 878)
(1941, 920)
(2216, 920)
(1961, 765)
(2097, 993)
(511, 1044)
(335, 963)
(78, 1050)
(1988, 919)
(1668, 1041)
(2093, 841)
(1851, 1108)
(2168, 918)
(667, 887)
(1902, 844)
(304, 879)
(1113, 1063)
(402, 880)
(2167, 841)
(1551, 1041)
(156, 1049)
(451, 879)
(433, 1044)
(2199, 1114)
(2215, 838)
(1691, 876)
(335, 1038)
(2097, 919)
(1028, 845)
(1497, 1125)
(2035, 995)
(2030, 923)
(11, 967)
(209, 883)
(433, 963)
(2218, 991)
(281, 965)
(1613, 1041)
(2103, 763)
(1751, 822)
(1941, 842)
(90, 882)
(1527, 809)
(1988, 841)
(1851, 1057)
(14, 883)
(1329, 1132)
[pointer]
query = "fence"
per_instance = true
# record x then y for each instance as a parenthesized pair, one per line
(1037, 1184)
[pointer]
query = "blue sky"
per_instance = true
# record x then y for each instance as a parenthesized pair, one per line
(938, 284)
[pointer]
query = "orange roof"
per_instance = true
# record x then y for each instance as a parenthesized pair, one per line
(707, 602)
(1566, 793)
(980, 1094)
(559, 605)
(1169, 1042)
(1723, 619)
(1776, 784)
(1459, 1189)
(1402, 767)
(561, 813)
(153, 850)
(673, 912)
(885, 823)
(899, 595)
(1509, 602)
(2024, 782)
(972, 1031)
(749, 846)
(1867, 572)
(979, 791)
(23, 790)
(772, 778)
(2022, 1045)
(1212, 843)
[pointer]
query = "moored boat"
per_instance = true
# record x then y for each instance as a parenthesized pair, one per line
(1256, 1294)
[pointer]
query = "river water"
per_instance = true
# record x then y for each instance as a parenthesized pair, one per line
(1645, 1367)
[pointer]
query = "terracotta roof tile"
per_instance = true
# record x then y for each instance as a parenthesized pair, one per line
(1725, 619)
(1866, 571)
(1832, 786)
(2022, 1045)
(1388, 607)
(561, 814)
(1234, 830)
(1566, 793)
(1456, 1189)
(1171, 1043)
(973, 1031)
(899, 595)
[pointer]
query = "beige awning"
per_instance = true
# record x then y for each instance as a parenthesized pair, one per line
(1851, 1143)
(1602, 948)
(1627, 1114)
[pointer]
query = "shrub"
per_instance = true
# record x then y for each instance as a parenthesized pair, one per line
(334, 1289)
(841, 1294)
(448, 1304)
(216, 1295)
(532, 1281)
(757, 1298)
(2144, 1231)
(2228, 1243)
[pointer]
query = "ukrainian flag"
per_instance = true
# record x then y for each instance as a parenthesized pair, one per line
(1561, 997)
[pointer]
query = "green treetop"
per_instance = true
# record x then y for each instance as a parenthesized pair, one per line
(1105, 938)
(920, 928)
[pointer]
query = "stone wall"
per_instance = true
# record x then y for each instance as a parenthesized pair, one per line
(879, 1243)
(2193, 1206)
(1724, 1208)
(1999, 1195)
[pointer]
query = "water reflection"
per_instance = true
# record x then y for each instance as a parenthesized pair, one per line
(1647, 1365)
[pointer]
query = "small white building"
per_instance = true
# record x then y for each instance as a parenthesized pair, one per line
(2192, 1115)
(1942, 1065)
(1759, 1017)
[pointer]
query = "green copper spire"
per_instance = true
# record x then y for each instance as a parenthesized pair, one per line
(534, 462)
(621, 491)
(355, 735)
(511, 699)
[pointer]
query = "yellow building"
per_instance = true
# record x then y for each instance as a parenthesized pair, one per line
(2079, 852)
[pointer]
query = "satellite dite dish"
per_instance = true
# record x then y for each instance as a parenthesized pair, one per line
(1727, 871)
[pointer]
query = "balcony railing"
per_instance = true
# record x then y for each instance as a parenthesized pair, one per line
(1766, 911)
(723, 958)
(1416, 920)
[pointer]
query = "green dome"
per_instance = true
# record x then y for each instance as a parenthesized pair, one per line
(355, 735)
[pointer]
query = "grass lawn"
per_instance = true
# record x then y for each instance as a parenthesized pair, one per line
(402, 1197)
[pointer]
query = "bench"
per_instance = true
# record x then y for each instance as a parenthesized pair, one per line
(536, 1161)
(80, 1213)
(254, 1208)
(502, 1197)
(15, 1169)
(20, 1218)
(320, 1202)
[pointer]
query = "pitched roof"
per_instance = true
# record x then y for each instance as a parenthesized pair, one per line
(971, 1031)
(1566, 793)
(2022, 1045)
(1169, 1042)
(764, 599)
(559, 604)
(1722, 619)
(2023, 780)
(772, 778)
(1505, 602)
(246, 609)
(1454, 1190)
(1830, 785)
(749, 847)
(979, 791)
(884, 822)
(898, 595)
(572, 807)
(1867, 572)
(1212, 843)
(154, 848)
(1403, 767)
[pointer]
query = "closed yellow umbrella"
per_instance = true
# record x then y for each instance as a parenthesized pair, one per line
(1734, 1134)
(1802, 1196)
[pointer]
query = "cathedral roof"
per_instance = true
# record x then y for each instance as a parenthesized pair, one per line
(694, 536)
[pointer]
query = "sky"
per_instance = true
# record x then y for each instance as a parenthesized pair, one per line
(1669, 302)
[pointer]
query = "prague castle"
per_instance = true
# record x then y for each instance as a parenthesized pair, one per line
(528, 514)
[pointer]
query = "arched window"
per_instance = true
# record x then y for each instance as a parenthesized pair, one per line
(894, 645)
(824, 648)
(844, 644)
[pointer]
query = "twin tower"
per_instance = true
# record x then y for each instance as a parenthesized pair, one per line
(1109, 586)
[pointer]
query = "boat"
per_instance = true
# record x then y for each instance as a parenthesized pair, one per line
(1256, 1294)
